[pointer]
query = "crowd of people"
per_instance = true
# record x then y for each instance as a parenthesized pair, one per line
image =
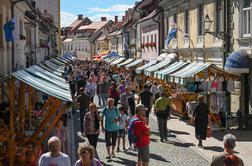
(123, 116)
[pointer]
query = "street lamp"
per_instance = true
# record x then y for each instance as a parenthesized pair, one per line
(207, 26)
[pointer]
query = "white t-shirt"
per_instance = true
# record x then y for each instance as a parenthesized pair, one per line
(122, 121)
(47, 160)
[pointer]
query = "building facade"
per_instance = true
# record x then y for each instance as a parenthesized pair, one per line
(5, 47)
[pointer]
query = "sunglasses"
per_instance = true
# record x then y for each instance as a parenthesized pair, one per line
(84, 152)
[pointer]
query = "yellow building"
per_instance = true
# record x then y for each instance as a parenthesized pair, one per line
(191, 43)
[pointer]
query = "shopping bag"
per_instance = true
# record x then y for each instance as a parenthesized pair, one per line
(209, 131)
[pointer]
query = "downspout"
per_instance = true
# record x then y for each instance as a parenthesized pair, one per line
(160, 12)
(138, 11)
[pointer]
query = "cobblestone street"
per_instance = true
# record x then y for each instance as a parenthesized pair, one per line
(171, 153)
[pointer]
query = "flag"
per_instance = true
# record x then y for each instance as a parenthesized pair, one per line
(170, 36)
(9, 27)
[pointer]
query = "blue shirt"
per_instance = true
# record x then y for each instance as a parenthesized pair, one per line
(110, 115)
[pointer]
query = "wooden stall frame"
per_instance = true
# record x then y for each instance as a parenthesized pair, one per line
(52, 110)
(49, 129)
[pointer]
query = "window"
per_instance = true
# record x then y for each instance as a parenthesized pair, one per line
(200, 19)
(1, 31)
(71, 47)
(186, 22)
(246, 17)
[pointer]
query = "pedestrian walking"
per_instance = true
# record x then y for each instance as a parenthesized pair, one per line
(113, 93)
(227, 158)
(112, 117)
(61, 132)
(104, 91)
(162, 109)
(91, 89)
(122, 128)
(125, 96)
(200, 118)
(87, 156)
(54, 156)
(154, 90)
(92, 125)
(146, 98)
(83, 103)
(142, 133)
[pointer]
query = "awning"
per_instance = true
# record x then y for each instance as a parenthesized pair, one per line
(162, 56)
(110, 55)
(126, 62)
(139, 69)
(50, 69)
(54, 66)
(109, 60)
(117, 61)
(134, 63)
(237, 62)
(43, 85)
(52, 79)
(156, 67)
(170, 69)
(188, 72)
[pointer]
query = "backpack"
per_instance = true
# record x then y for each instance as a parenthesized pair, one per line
(131, 135)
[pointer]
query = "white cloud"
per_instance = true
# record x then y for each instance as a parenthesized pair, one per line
(67, 18)
(114, 8)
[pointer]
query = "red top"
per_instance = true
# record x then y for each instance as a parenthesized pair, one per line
(141, 131)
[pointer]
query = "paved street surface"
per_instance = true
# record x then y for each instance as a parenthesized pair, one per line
(171, 153)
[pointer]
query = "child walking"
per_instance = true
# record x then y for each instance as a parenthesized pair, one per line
(122, 128)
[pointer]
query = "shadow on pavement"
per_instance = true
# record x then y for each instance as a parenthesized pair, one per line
(241, 135)
(158, 157)
(124, 161)
(179, 132)
(185, 145)
(153, 140)
(214, 148)
(101, 140)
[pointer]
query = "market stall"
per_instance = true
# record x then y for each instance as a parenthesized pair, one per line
(141, 68)
(125, 62)
(134, 63)
(205, 79)
(37, 99)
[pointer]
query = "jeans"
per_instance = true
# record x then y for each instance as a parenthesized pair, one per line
(83, 111)
(162, 127)
(104, 97)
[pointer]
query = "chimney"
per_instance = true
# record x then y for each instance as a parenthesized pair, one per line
(123, 18)
(80, 17)
(116, 19)
(103, 18)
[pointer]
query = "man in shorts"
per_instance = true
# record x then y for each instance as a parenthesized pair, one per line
(142, 133)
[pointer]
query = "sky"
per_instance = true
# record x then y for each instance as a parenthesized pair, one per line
(94, 9)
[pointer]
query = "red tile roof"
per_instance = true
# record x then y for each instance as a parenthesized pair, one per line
(93, 26)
